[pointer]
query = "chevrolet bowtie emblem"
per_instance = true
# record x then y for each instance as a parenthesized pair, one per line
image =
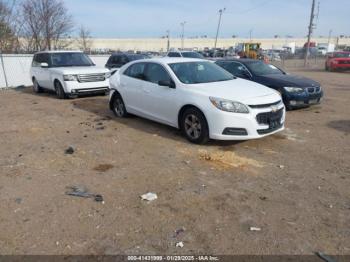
(274, 109)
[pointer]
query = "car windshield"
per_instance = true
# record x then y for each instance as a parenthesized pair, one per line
(191, 55)
(260, 68)
(70, 59)
(200, 72)
(341, 55)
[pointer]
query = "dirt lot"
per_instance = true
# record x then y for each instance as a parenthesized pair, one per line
(293, 185)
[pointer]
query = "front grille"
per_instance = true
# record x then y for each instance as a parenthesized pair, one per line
(235, 131)
(270, 118)
(91, 78)
(265, 105)
(344, 62)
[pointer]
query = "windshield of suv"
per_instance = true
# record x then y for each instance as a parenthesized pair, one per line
(341, 55)
(200, 72)
(260, 68)
(192, 55)
(70, 59)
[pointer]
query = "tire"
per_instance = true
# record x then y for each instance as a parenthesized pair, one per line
(118, 106)
(327, 68)
(36, 87)
(194, 126)
(59, 90)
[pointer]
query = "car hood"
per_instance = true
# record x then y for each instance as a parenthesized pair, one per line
(239, 90)
(77, 70)
(287, 80)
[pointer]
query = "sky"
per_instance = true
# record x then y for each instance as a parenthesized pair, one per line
(264, 18)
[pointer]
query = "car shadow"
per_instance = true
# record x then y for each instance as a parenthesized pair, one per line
(340, 125)
(99, 106)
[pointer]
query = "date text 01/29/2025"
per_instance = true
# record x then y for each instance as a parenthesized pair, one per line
(173, 258)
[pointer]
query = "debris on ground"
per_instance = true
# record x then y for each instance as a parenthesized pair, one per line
(255, 229)
(18, 200)
(69, 151)
(281, 166)
(179, 244)
(325, 257)
(263, 198)
(80, 191)
(179, 231)
(149, 196)
(103, 167)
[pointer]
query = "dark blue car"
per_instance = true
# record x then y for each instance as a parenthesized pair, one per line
(296, 91)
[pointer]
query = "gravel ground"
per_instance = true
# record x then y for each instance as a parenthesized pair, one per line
(294, 185)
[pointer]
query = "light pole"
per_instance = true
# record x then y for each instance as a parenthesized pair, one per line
(218, 29)
(250, 34)
(168, 40)
(183, 34)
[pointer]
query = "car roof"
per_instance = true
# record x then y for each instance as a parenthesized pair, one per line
(242, 60)
(170, 60)
(59, 51)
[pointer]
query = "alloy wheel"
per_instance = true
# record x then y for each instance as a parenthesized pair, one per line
(193, 127)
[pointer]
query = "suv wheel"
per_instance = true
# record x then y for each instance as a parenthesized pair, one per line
(118, 106)
(59, 90)
(194, 126)
(36, 87)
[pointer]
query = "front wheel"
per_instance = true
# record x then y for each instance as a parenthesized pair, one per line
(194, 126)
(118, 106)
(59, 91)
(36, 87)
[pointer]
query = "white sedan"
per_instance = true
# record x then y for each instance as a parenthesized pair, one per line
(198, 97)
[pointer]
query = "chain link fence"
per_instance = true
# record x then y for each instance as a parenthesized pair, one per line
(15, 68)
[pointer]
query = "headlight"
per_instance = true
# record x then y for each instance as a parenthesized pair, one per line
(70, 78)
(108, 75)
(294, 89)
(229, 106)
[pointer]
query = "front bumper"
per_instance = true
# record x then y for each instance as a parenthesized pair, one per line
(76, 88)
(340, 66)
(302, 99)
(233, 126)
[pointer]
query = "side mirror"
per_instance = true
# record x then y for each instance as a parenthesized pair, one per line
(167, 83)
(44, 65)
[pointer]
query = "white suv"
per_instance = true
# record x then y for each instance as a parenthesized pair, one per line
(68, 73)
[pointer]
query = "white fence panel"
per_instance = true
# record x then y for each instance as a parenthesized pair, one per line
(17, 68)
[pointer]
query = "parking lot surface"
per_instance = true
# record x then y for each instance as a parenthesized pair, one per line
(294, 185)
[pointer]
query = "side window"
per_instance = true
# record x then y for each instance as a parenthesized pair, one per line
(123, 60)
(136, 71)
(45, 58)
(174, 54)
(155, 73)
(36, 59)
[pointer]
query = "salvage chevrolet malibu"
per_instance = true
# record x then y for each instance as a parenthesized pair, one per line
(198, 97)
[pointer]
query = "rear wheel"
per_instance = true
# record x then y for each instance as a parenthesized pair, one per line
(118, 106)
(59, 90)
(36, 87)
(194, 126)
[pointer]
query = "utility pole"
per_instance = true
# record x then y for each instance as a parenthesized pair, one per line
(250, 34)
(183, 35)
(168, 42)
(311, 27)
(330, 36)
(219, 24)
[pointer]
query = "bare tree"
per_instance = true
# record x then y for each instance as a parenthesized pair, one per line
(46, 22)
(84, 40)
(9, 26)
